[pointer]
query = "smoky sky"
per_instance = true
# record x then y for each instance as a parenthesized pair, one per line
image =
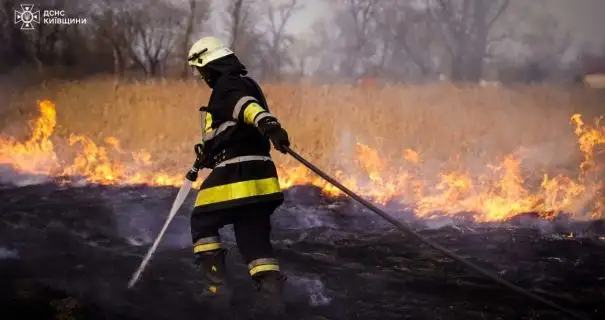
(583, 19)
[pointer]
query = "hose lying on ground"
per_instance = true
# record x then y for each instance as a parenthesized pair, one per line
(406, 229)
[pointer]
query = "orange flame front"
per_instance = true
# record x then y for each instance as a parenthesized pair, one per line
(91, 162)
(494, 196)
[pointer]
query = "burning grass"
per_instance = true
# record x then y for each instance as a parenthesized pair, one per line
(444, 149)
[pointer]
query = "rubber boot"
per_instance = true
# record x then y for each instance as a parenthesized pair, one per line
(212, 264)
(269, 299)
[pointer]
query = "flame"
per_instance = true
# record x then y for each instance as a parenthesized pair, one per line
(92, 163)
(35, 155)
(496, 195)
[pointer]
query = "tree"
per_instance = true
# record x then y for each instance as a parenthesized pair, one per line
(356, 23)
(153, 28)
(387, 38)
(301, 54)
(465, 27)
(198, 12)
(242, 19)
(14, 49)
(146, 33)
(537, 46)
(110, 24)
(408, 40)
(547, 46)
(278, 40)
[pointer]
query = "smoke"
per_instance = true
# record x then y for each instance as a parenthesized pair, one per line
(317, 295)
(439, 223)
(6, 253)
(139, 225)
(10, 177)
(303, 217)
(550, 154)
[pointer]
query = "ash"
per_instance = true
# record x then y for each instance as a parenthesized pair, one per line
(72, 251)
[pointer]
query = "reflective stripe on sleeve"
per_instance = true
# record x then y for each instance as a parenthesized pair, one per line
(240, 104)
(251, 111)
(262, 116)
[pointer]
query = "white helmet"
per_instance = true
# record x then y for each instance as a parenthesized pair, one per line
(206, 50)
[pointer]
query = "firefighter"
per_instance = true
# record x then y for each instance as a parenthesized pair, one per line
(242, 189)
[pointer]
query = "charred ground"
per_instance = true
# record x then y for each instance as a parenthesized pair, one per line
(70, 251)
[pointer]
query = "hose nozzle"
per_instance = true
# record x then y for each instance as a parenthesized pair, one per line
(192, 174)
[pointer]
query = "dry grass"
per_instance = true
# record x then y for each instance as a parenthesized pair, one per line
(473, 125)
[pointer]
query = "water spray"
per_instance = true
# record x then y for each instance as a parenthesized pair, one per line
(190, 177)
(408, 230)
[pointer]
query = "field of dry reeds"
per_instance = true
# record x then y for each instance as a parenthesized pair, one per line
(464, 125)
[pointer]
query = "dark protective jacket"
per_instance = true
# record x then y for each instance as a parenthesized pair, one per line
(243, 171)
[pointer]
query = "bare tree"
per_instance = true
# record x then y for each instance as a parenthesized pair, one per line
(110, 24)
(198, 12)
(541, 45)
(120, 35)
(278, 40)
(242, 27)
(238, 14)
(346, 46)
(14, 49)
(547, 48)
(465, 28)
(408, 40)
(386, 38)
(357, 22)
(326, 50)
(301, 54)
(153, 29)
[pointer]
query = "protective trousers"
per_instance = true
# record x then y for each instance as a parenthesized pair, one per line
(252, 228)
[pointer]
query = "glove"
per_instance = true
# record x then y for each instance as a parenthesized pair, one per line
(272, 129)
(200, 163)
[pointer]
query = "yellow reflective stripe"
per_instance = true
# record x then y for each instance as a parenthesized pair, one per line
(206, 247)
(251, 111)
(237, 190)
(215, 132)
(208, 124)
(264, 267)
(240, 103)
(261, 261)
(207, 240)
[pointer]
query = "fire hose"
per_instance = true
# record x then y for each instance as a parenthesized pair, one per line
(407, 230)
(192, 176)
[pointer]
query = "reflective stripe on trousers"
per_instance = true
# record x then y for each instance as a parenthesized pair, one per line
(237, 190)
(262, 265)
(206, 244)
